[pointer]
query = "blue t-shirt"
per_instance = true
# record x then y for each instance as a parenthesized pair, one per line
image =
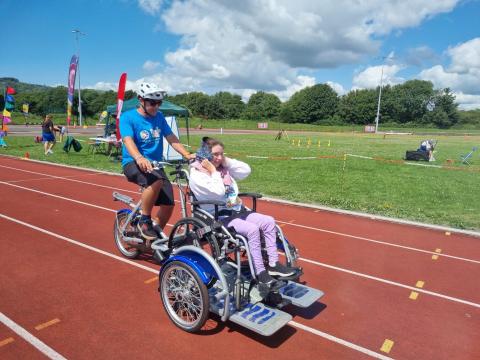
(147, 132)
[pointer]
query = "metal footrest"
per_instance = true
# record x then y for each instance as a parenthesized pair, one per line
(258, 317)
(300, 295)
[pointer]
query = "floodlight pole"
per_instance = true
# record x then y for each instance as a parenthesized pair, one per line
(379, 100)
(77, 33)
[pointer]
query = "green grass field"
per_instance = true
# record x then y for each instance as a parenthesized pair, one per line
(384, 185)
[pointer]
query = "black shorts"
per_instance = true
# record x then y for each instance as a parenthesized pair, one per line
(136, 176)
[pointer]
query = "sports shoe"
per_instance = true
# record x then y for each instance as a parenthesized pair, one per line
(146, 230)
(265, 278)
(50, 151)
(280, 270)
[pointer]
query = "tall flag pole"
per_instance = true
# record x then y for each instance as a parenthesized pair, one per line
(121, 94)
(72, 70)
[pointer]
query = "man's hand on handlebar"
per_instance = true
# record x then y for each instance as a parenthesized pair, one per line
(144, 164)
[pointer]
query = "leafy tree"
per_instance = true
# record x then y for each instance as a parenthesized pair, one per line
(231, 104)
(410, 99)
(313, 104)
(262, 105)
(358, 106)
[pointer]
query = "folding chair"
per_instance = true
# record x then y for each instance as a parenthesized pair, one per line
(469, 155)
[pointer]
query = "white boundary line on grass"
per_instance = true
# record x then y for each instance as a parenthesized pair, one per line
(309, 206)
(30, 338)
(130, 262)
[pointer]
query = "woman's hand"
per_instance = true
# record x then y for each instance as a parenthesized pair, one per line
(208, 166)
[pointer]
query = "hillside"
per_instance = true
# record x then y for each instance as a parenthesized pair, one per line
(20, 86)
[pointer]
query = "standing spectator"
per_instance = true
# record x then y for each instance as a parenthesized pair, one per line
(48, 135)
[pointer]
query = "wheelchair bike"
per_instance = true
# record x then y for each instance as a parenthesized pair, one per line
(206, 267)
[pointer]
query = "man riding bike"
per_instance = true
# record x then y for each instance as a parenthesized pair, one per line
(142, 130)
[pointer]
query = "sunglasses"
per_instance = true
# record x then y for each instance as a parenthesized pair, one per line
(153, 102)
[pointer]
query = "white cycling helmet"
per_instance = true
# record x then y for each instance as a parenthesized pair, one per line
(151, 91)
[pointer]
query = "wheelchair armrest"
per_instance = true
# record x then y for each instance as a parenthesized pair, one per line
(254, 197)
(208, 202)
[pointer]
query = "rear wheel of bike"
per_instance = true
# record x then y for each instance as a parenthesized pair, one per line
(126, 249)
(191, 231)
(184, 296)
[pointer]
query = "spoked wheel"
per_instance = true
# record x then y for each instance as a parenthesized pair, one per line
(191, 231)
(125, 248)
(184, 296)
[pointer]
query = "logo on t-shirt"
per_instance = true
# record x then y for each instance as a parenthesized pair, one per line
(144, 134)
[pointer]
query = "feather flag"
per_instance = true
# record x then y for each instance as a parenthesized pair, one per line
(10, 91)
(121, 94)
(72, 72)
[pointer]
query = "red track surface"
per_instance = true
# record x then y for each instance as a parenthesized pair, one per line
(104, 307)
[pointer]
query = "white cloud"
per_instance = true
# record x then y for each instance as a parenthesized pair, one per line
(150, 65)
(339, 89)
(463, 74)
(370, 77)
(150, 6)
(270, 45)
(467, 102)
(105, 86)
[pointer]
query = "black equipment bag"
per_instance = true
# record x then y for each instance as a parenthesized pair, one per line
(416, 155)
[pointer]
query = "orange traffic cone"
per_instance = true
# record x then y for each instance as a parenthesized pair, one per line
(27, 155)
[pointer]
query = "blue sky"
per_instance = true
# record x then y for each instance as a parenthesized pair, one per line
(246, 46)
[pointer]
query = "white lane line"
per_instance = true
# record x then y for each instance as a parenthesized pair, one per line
(28, 337)
(360, 156)
(78, 243)
(446, 297)
(424, 165)
(339, 341)
(279, 221)
(306, 260)
(57, 196)
(69, 179)
(379, 242)
(102, 252)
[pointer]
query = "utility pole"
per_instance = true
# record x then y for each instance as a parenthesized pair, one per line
(379, 100)
(377, 118)
(77, 34)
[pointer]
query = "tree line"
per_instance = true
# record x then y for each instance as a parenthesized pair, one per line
(413, 103)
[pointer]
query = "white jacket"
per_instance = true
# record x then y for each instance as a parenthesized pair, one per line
(208, 187)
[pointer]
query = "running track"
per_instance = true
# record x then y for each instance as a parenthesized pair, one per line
(65, 291)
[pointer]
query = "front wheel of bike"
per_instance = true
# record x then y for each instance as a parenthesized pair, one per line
(125, 248)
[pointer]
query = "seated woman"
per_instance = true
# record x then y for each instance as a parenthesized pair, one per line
(212, 177)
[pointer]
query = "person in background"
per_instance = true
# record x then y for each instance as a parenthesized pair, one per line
(61, 130)
(212, 177)
(428, 146)
(48, 135)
